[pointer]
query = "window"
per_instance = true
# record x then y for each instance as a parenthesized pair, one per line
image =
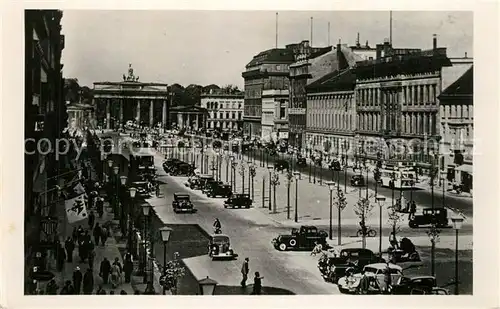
(221, 106)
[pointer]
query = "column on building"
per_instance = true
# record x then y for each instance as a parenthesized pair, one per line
(121, 102)
(151, 111)
(138, 111)
(189, 120)
(108, 113)
(197, 124)
(179, 119)
(164, 114)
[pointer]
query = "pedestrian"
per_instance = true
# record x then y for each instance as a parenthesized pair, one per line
(97, 233)
(100, 206)
(51, 288)
(92, 255)
(86, 236)
(67, 289)
(77, 279)
(105, 270)
(74, 235)
(80, 233)
(387, 279)
(157, 187)
(116, 275)
(88, 282)
(128, 267)
(257, 284)
(244, 272)
(69, 245)
(81, 250)
(364, 283)
(60, 256)
(104, 235)
(91, 220)
(100, 290)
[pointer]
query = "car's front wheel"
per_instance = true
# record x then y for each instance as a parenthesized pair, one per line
(282, 247)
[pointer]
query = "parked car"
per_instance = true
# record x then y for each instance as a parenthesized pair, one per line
(182, 203)
(219, 189)
(335, 165)
(303, 239)
(142, 189)
(438, 216)
(169, 164)
(183, 169)
(220, 247)
(417, 285)
(204, 181)
(406, 252)
(357, 181)
(281, 165)
(375, 273)
(238, 201)
(332, 268)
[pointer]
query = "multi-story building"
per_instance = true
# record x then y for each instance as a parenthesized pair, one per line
(397, 106)
(45, 118)
(457, 129)
(274, 115)
(268, 70)
(225, 110)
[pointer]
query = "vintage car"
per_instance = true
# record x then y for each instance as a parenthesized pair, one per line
(182, 203)
(142, 189)
(406, 252)
(376, 275)
(301, 161)
(220, 247)
(305, 238)
(204, 180)
(281, 165)
(335, 165)
(219, 189)
(182, 169)
(238, 201)
(169, 164)
(417, 285)
(357, 181)
(333, 267)
(438, 216)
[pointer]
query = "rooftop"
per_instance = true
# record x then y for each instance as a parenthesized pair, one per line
(464, 86)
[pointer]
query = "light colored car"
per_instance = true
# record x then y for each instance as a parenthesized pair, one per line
(376, 273)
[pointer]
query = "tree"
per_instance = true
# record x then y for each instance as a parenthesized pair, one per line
(341, 203)
(71, 90)
(395, 218)
(363, 210)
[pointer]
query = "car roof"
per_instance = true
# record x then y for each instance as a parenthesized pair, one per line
(423, 277)
(384, 265)
(181, 194)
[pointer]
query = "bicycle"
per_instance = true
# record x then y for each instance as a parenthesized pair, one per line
(369, 232)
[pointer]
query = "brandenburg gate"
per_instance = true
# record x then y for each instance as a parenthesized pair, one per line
(118, 102)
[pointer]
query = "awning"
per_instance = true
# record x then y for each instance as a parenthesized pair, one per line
(464, 168)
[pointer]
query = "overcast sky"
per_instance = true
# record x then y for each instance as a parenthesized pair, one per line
(205, 47)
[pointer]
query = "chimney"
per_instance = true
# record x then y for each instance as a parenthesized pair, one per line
(434, 41)
(357, 40)
(338, 49)
(465, 55)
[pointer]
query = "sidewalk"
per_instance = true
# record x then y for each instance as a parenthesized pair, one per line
(110, 250)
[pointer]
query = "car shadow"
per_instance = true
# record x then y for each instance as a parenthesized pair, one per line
(238, 290)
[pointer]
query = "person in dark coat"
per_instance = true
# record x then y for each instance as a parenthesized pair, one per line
(92, 255)
(244, 273)
(91, 220)
(67, 289)
(74, 235)
(80, 233)
(100, 206)
(257, 284)
(51, 288)
(69, 245)
(88, 282)
(77, 280)
(105, 270)
(97, 233)
(60, 256)
(104, 235)
(128, 266)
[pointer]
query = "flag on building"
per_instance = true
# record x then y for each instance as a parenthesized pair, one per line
(76, 208)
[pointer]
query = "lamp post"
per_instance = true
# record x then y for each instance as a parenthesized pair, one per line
(443, 183)
(242, 173)
(207, 286)
(380, 201)
(264, 190)
(289, 180)
(116, 170)
(331, 187)
(110, 165)
(297, 178)
(227, 158)
(132, 192)
(145, 211)
(123, 226)
(270, 169)
(457, 225)
(252, 172)
(275, 180)
(165, 236)
(233, 173)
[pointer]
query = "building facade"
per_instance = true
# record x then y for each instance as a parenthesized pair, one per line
(397, 107)
(274, 115)
(80, 115)
(225, 110)
(457, 129)
(190, 118)
(45, 119)
(147, 104)
(331, 115)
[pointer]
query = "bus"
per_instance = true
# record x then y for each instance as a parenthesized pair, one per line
(403, 176)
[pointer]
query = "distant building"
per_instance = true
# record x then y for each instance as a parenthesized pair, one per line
(364, 51)
(268, 70)
(224, 110)
(274, 115)
(457, 129)
(397, 105)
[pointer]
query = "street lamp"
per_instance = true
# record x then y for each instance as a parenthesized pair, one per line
(207, 286)
(297, 178)
(145, 211)
(275, 181)
(289, 180)
(457, 225)
(331, 187)
(264, 190)
(132, 192)
(123, 181)
(116, 170)
(270, 168)
(165, 236)
(443, 182)
(242, 173)
(252, 172)
(380, 201)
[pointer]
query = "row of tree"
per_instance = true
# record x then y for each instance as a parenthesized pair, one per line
(181, 96)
